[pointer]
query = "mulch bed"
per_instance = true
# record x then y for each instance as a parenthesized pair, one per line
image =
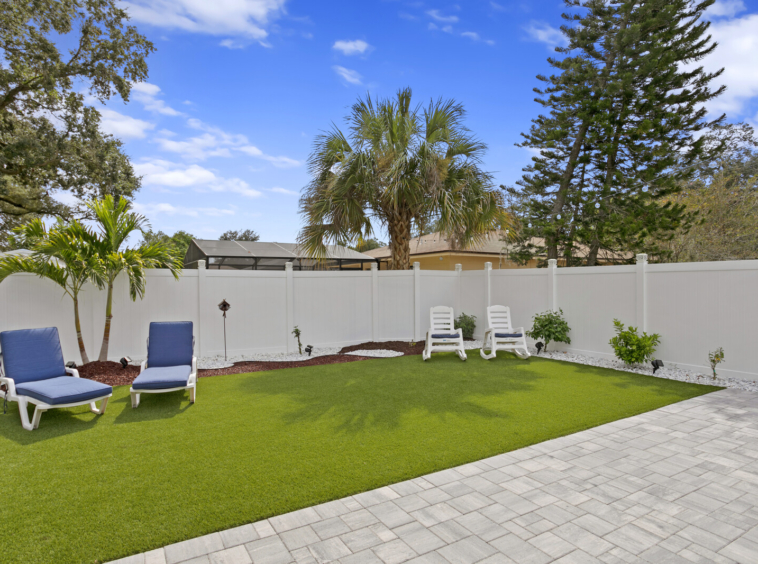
(113, 374)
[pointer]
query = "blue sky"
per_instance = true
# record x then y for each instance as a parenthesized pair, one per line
(238, 89)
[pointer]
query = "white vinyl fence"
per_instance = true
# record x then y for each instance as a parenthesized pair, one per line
(696, 307)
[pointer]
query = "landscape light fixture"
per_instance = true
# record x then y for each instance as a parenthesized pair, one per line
(125, 361)
(309, 349)
(71, 364)
(656, 365)
(539, 345)
(224, 306)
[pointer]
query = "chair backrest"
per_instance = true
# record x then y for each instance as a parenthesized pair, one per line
(499, 317)
(442, 318)
(32, 354)
(170, 344)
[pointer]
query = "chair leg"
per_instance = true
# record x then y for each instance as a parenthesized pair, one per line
(93, 406)
(135, 400)
(37, 416)
(192, 393)
(24, 414)
(488, 340)
(427, 349)
(461, 351)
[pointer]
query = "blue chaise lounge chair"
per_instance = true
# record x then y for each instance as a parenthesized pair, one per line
(34, 372)
(170, 364)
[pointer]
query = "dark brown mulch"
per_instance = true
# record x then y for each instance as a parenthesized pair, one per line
(109, 373)
(399, 346)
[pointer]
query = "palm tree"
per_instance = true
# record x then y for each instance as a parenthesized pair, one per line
(66, 254)
(116, 222)
(398, 166)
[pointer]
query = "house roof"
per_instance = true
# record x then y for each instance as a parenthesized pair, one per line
(260, 249)
(491, 245)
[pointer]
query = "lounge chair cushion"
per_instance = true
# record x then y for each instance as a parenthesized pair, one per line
(446, 336)
(30, 355)
(162, 377)
(64, 389)
(170, 344)
(508, 335)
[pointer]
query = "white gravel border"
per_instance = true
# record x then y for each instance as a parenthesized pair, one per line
(669, 371)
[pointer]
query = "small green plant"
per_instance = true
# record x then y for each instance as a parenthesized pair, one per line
(467, 324)
(632, 348)
(550, 326)
(715, 358)
(296, 333)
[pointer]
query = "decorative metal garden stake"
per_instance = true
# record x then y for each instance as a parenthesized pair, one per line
(224, 306)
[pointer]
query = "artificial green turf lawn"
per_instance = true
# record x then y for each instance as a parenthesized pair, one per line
(84, 488)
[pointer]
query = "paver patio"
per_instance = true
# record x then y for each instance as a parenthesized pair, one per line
(678, 484)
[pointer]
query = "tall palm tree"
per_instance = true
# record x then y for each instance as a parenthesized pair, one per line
(67, 254)
(398, 166)
(115, 222)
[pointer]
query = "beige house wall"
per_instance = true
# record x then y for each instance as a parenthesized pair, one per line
(469, 261)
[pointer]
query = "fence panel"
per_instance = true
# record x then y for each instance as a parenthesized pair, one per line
(438, 288)
(396, 305)
(525, 292)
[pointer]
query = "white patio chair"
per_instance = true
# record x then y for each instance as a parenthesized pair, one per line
(443, 336)
(34, 373)
(501, 336)
(170, 365)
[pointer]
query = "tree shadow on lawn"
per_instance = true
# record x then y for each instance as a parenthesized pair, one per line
(381, 393)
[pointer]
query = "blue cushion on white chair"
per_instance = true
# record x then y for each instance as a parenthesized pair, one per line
(64, 389)
(508, 335)
(32, 354)
(163, 377)
(446, 336)
(170, 344)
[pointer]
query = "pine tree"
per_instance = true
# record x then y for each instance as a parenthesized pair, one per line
(625, 114)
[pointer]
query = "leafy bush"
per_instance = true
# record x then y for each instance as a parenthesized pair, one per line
(715, 358)
(467, 324)
(632, 348)
(550, 326)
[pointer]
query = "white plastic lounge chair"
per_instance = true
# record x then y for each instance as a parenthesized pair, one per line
(501, 336)
(443, 336)
(34, 373)
(170, 364)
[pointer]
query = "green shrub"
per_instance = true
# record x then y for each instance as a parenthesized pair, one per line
(467, 324)
(550, 326)
(632, 348)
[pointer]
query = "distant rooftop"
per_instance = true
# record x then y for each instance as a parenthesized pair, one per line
(258, 255)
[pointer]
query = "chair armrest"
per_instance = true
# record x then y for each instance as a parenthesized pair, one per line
(73, 371)
(10, 386)
(142, 366)
(194, 365)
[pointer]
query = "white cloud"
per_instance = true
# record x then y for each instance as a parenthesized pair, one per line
(123, 127)
(161, 173)
(215, 142)
(145, 93)
(471, 35)
(170, 209)
(726, 8)
(284, 191)
(545, 33)
(356, 47)
(239, 18)
(738, 43)
(232, 44)
(436, 15)
(348, 75)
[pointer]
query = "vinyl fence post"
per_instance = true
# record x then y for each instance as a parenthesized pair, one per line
(290, 282)
(417, 334)
(201, 282)
(641, 291)
(552, 296)
(458, 270)
(374, 302)
(488, 284)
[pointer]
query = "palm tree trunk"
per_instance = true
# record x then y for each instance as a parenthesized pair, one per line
(400, 242)
(107, 330)
(79, 339)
